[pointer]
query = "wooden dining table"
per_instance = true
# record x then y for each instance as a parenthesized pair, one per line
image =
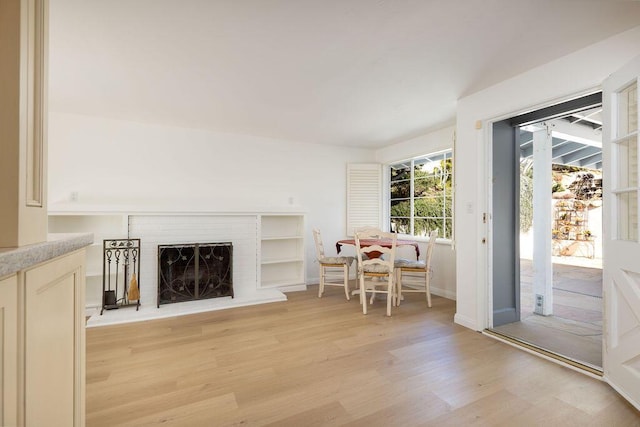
(385, 243)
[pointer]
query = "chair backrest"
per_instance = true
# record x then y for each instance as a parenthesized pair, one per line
(366, 229)
(319, 246)
(378, 248)
(432, 242)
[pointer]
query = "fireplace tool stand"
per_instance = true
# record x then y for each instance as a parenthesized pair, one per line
(120, 273)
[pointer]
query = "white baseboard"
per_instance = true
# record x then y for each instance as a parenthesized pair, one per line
(295, 288)
(465, 321)
(316, 280)
(444, 293)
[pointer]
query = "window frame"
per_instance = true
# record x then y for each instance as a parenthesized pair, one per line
(444, 195)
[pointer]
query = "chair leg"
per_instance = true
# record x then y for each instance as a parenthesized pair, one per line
(321, 285)
(390, 291)
(346, 281)
(363, 295)
(396, 300)
(398, 287)
(427, 288)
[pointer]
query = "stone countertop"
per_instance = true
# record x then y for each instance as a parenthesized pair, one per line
(16, 259)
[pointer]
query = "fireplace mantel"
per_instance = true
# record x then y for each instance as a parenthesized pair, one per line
(164, 208)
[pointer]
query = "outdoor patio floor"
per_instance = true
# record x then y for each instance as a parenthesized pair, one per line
(575, 328)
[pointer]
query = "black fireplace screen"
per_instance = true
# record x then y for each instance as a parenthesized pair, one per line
(196, 271)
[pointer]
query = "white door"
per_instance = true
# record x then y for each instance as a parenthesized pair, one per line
(621, 274)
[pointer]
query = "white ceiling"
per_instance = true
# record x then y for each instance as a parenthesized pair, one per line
(362, 73)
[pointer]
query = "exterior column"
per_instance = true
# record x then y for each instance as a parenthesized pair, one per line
(542, 263)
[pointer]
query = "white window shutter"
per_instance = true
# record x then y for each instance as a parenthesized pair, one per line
(364, 196)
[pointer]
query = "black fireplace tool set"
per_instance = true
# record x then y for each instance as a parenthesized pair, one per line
(120, 273)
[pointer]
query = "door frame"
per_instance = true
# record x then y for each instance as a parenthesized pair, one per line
(485, 295)
(506, 240)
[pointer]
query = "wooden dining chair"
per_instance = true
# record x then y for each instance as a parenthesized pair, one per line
(331, 267)
(420, 267)
(376, 263)
(367, 229)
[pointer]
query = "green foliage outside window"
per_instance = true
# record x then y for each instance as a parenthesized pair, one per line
(432, 199)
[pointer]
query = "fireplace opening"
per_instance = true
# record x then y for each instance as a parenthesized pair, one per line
(189, 272)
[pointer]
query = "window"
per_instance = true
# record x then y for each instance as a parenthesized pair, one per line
(421, 195)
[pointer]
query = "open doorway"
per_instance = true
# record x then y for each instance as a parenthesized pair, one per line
(548, 291)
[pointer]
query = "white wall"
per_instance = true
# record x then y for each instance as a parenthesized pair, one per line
(565, 78)
(438, 140)
(148, 167)
(444, 262)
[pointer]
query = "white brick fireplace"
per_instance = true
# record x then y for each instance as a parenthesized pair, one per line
(242, 230)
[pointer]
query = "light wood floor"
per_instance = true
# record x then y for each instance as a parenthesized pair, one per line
(312, 362)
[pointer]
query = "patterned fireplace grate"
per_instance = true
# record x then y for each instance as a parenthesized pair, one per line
(189, 272)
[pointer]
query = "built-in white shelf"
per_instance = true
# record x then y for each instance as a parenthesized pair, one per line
(279, 283)
(281, 250)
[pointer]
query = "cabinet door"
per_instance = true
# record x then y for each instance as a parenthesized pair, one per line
(8, 351)
(54, 342)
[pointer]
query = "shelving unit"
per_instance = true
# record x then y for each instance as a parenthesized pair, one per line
(281, 250)
(571, 227)
(570, 220)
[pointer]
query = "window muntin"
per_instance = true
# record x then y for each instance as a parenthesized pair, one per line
(421, 195)
(625, 154)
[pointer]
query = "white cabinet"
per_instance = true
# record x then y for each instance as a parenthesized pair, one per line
(8, 353)
(42, 343)
(103, 226)
(281, 250)
(54, 342)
